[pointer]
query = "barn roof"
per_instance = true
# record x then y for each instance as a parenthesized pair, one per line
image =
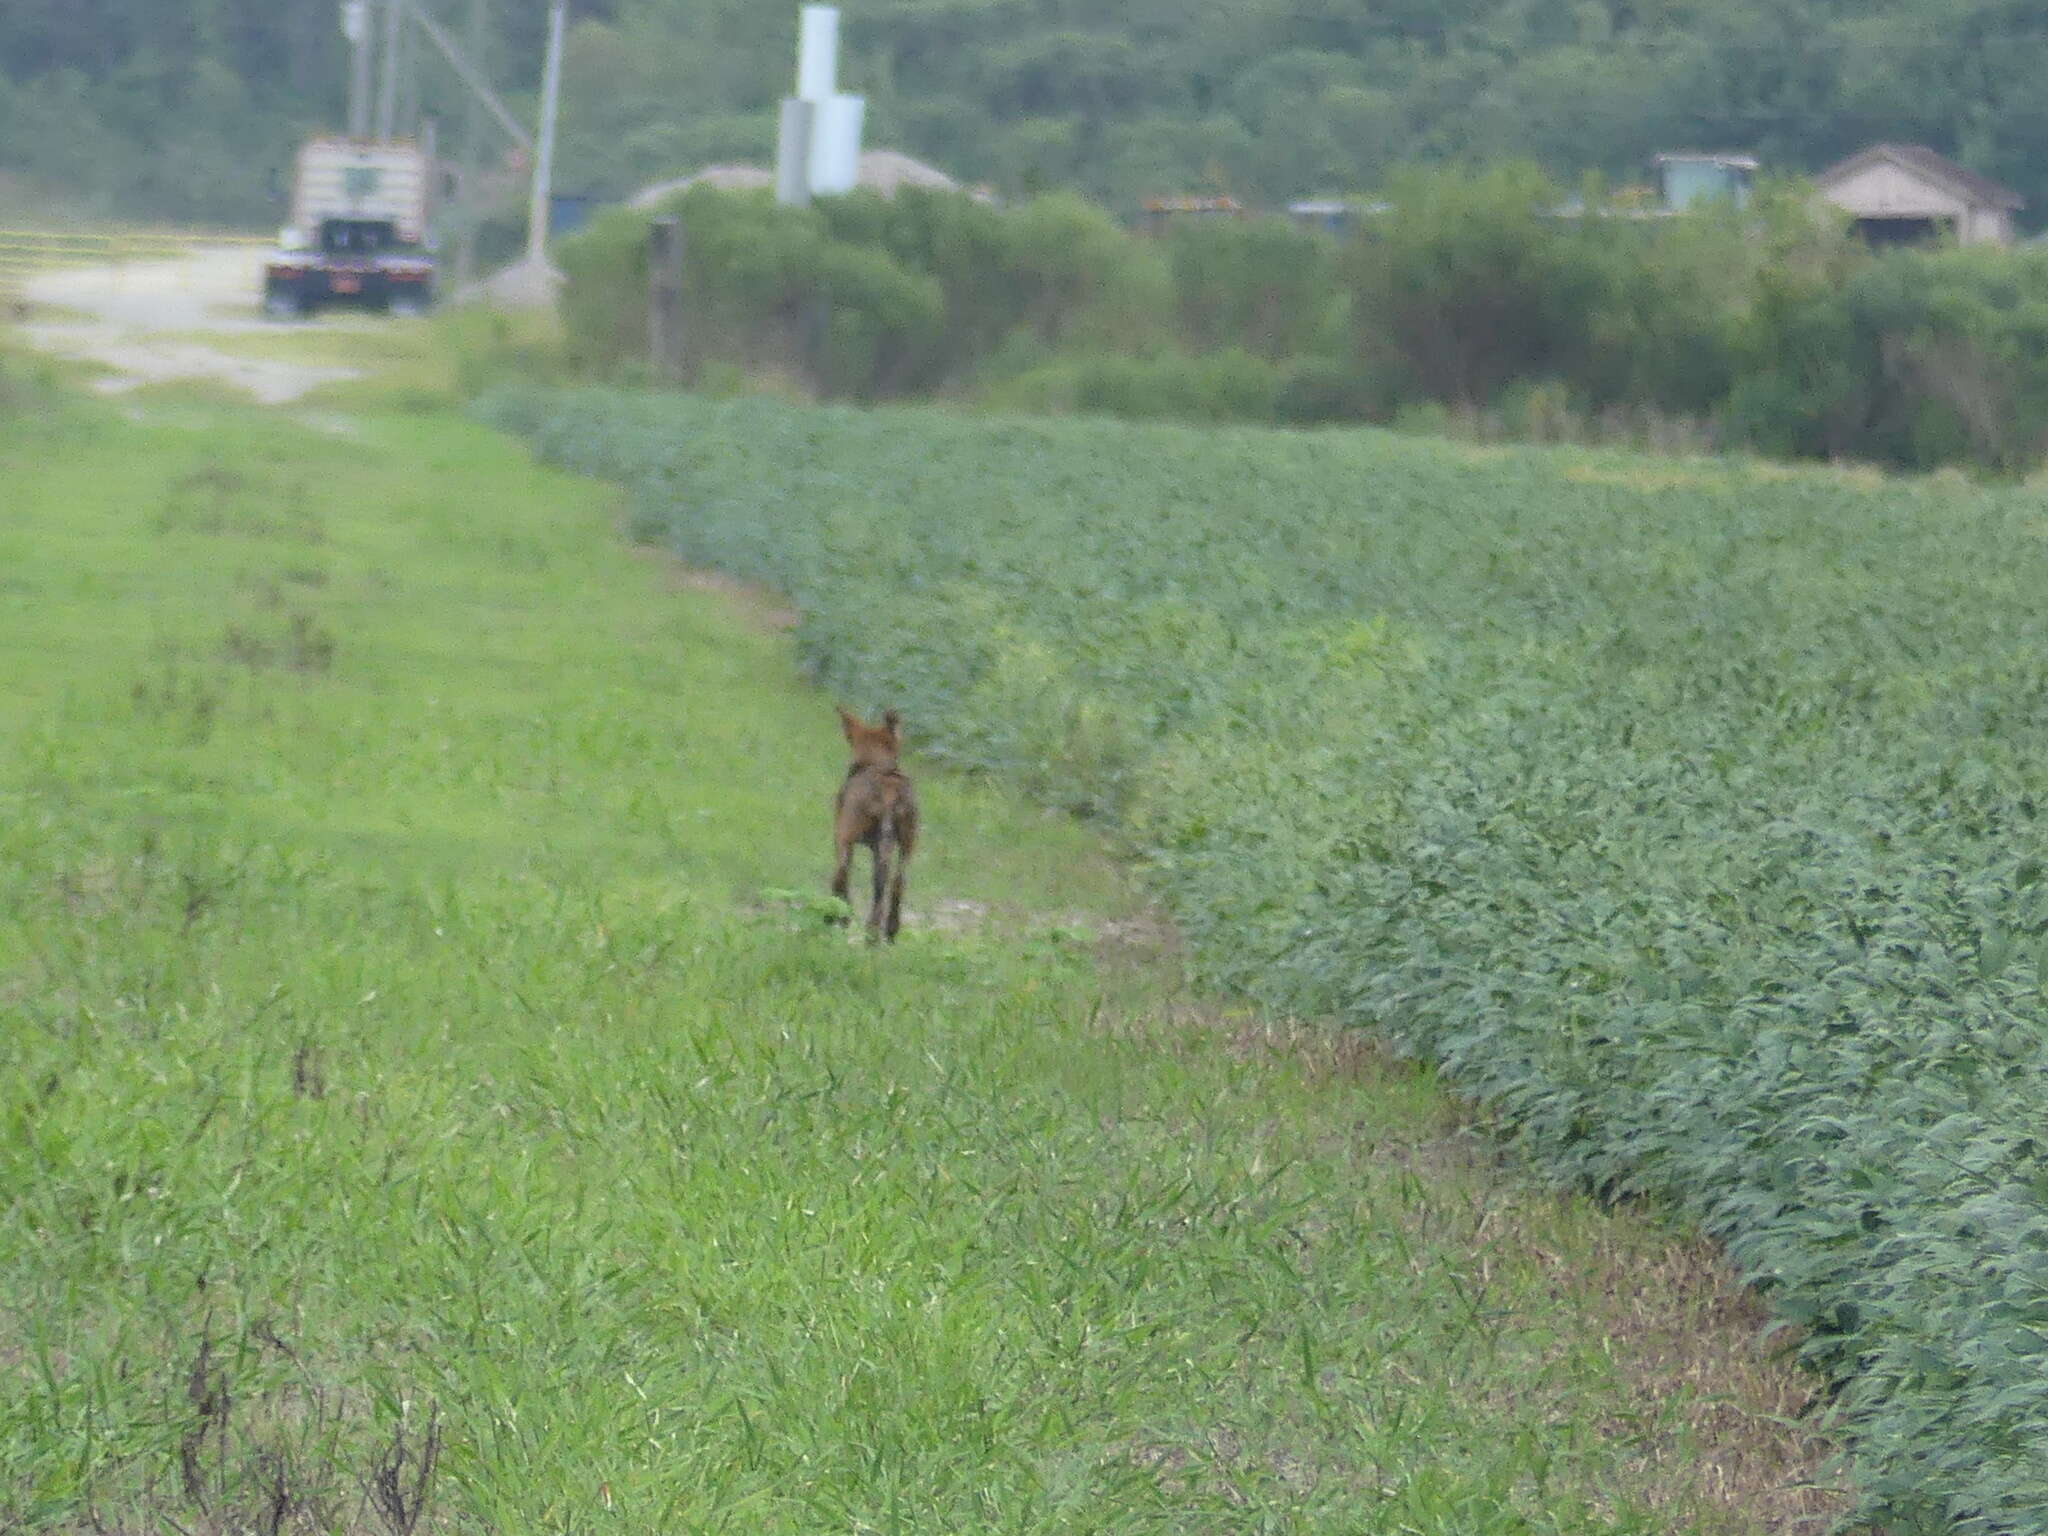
(1918, 157)
(1708, 157)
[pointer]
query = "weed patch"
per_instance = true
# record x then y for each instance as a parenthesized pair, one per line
(300, 645)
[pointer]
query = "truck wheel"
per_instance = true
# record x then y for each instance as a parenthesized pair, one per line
(282, 306)
(410, 308)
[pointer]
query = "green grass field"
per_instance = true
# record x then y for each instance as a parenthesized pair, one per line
(422, 1108)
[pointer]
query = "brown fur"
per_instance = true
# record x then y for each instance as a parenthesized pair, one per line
(877, 808)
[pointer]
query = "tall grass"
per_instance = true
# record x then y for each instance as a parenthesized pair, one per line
(422, 1109)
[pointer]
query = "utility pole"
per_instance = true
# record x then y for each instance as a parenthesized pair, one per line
(405, 64)
(355, 26)
(544, 152)
(387, 95)
(472, 151)
(665, 337)
(429, 135)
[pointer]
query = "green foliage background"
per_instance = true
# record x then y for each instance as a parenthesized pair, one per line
(1466, 300)
(1688, 812)
(181, 110)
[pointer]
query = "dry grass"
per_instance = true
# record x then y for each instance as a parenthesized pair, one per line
(1649, 478)
(1716, 1414)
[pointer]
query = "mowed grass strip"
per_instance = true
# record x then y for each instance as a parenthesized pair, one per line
(419, 1109)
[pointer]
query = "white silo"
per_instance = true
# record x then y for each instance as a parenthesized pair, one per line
(819, 148)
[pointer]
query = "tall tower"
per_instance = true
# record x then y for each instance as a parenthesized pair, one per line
(818, 152)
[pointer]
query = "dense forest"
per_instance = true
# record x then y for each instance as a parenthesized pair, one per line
(190, 107)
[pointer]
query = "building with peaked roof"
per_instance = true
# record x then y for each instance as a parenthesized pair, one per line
(1901, 194)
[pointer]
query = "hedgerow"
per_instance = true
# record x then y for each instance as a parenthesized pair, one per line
(1770, 328)
(1689, 814)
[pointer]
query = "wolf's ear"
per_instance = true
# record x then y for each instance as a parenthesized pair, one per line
(847, 723)
(894, 722)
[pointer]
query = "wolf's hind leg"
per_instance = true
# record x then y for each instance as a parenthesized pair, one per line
(894, 920)
(839, 874)
(878, 898)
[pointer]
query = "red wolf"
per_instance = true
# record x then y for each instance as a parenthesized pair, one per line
(876, 807)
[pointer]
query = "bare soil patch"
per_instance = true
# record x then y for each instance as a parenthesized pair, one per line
(759, 608)
(126, 318)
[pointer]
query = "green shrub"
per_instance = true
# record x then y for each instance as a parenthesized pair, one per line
(1225, 386)
(865, 298)
(1316, 391)
(1257, 285)
(492, 347)
(1082, 282)
(1918, 359)
(604, 295)
(1473, 287)
(1468, 282)
(1484, 292)
(767, 289)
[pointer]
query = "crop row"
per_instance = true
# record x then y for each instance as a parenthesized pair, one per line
(1689, 814)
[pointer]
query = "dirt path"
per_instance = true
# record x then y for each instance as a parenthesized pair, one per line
(136, 320)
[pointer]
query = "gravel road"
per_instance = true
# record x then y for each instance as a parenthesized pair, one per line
(138, 320)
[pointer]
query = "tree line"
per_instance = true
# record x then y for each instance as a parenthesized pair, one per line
(186, 110)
